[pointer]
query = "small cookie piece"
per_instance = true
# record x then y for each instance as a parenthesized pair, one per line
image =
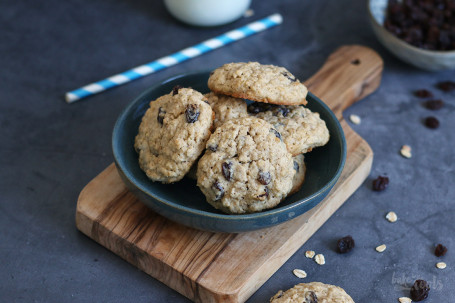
(246, 167)
(226, 107)
(299, 177)
(257, 82)
(313, 292)
(172, 134)
(302, 130)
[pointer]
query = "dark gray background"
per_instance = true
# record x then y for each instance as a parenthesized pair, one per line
(50, 150)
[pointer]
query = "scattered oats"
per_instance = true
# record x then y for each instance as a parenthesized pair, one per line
(310, 254)
(391, 216)
(248, 13)
(299, 273)
(441, 265)
(404, 300)
(355, 119)
(406, 151)
(381, 248)
(319, 258)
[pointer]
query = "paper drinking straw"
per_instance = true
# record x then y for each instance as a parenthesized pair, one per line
(175, 58)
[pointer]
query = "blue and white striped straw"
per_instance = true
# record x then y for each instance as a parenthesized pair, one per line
(183, 55)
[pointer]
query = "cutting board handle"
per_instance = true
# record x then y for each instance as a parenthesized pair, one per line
(349, 74)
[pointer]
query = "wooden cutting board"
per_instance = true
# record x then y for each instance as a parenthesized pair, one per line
(222, 267)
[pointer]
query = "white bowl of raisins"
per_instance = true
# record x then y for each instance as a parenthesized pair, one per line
(421, 33)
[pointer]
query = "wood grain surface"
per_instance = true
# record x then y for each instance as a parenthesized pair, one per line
(222, 267)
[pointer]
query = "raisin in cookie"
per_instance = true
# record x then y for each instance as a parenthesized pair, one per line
(226, 107)
(246, 167)
(302, 130)
(172, 134)
(300, 170)
(257, 82)
(313, 292)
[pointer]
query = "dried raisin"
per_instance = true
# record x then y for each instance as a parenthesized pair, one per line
(434, 104)
(213, 148)
(446, 86)
(420, 290)
(296, 166)
(219, 190)
(380, 183)
(310, 297)
(440, 250)
(276, 133)
(227, 170)
(290, 77)
(264, 177)
(175, 90)
(160, 117)
(423, 93)
(191, 113)
(345, 244)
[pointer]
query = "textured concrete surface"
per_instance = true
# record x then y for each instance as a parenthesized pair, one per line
(49, 150)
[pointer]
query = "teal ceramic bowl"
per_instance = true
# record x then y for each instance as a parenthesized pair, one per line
(184, 203)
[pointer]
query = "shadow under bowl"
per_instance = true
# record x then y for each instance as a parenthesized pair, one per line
(184, 203)
(424, 59)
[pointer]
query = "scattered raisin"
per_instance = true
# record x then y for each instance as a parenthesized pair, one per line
(213, 148)
(160, 117)
(227, 170)
(264, 177)
(446, 86)
(423, 93)
(420, 290)
(191, 113)
(290, 77)
(380, 183)
(296, 166)
(310, 297)
(175, 90)
(431, 122)
(434, 104)
(219, 190)
(277, 134)
(440, 250)
(345, 244)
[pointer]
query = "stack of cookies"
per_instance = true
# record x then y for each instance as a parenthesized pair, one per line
(247, 158)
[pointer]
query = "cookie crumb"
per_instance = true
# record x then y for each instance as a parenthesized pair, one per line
(441, 265)
(320, 259)
(299, 273)
(310, 254)
(432, 122)
(404, 300)
(406, 151)
(355, 119)
(381, 248)
(248, 13)
(345, 244)
(391, 216)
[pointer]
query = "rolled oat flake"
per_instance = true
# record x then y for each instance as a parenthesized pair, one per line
(381, 248)
(441, 265)
(299, 273)
(320, 259)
